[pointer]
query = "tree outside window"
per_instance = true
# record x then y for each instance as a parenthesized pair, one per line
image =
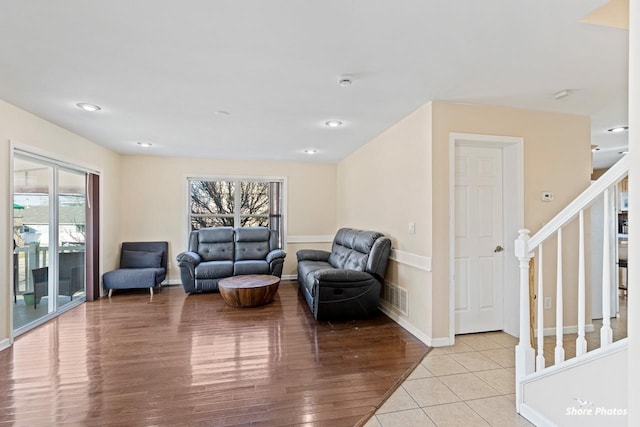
(233, 203)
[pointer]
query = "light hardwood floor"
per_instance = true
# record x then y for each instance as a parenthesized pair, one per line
(192, 360)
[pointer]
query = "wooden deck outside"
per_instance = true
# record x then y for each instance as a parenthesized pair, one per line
(193, 360)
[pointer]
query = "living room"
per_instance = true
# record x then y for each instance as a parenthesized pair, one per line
(144, 196)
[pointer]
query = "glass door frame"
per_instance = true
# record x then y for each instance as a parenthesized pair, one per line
(54, 308)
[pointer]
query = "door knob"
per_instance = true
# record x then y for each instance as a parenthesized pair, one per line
(498, 249)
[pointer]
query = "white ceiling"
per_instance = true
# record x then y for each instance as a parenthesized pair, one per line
(160, 69)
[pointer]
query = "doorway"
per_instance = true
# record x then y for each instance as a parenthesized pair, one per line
(486, 210)
(49, 239)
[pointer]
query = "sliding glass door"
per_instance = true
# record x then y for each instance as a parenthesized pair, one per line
(72, 230)
(49, 210)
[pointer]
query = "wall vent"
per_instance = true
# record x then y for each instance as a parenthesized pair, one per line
(396, 297)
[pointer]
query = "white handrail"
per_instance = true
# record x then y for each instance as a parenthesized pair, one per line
(610, 177)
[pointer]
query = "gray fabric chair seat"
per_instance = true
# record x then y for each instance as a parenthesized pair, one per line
(346, 282)
(133, 278)
(218, 252)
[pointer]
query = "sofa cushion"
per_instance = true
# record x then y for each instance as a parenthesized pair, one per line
(131, 278)
(349, 259)
(216, 244)
(252, 234)
(306, 270)
(252, 243)
(214, 269)
(250, 267)
(141, 259)
(351, 248)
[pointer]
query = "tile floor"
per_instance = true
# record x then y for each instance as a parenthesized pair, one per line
(468, 384)
(472, 382)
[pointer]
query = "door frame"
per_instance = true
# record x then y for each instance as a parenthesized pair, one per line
(513, 219)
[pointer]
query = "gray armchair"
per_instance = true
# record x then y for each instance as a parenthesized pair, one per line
(218, 252)
(142, 265)
(346, 282)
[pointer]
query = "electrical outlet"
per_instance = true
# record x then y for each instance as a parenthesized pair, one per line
(547, 303)
(547, 196)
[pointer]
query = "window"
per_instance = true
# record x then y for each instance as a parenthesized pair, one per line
(236, 203)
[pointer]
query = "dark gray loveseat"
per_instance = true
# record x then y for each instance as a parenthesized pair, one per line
(346, 282)
(218, 252)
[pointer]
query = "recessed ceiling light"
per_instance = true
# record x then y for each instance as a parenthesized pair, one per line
(144, 144)
(345, 82)
(623, 152)
(88, 107)
(619, 129)
(221, 113)
(333, 123)
(311, 151)
(595, 148)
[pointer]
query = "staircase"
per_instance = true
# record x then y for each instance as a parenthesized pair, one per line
(563, 392)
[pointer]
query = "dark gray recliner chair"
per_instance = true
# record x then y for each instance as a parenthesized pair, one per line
(346, 282)
(218, 252)
(142, 265)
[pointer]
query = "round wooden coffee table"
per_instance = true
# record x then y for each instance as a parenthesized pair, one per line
(250, 290)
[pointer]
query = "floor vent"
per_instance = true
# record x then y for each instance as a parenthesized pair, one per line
(396, 297)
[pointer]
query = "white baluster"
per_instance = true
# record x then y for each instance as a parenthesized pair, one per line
(540, 362)
(606, 334)
(525, 355)
(581, 342)
(559, 353)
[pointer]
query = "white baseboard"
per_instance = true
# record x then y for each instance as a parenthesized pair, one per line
(171, 282)
(426, 339)
(5, 343)
(535, 417)
(289, 277)
(572, 329)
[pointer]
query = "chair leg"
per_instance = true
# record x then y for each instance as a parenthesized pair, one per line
(151, 291)
(110, 292)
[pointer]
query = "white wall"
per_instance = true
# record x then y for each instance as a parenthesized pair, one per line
(554, 395)
(633, 303)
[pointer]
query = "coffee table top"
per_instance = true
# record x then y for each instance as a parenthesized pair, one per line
(249, 281)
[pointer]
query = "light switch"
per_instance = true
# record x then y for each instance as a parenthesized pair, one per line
(412, 228)
(547, 196)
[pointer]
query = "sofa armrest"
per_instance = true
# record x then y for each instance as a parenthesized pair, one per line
(313, 255)
(342, 277)
(189, 257)
(275, 254)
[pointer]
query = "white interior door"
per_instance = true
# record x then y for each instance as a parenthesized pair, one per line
(479, 257)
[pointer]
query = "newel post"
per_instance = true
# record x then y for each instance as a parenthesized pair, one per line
(525, 355)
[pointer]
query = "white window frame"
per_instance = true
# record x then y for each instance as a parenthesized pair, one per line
(237, 179)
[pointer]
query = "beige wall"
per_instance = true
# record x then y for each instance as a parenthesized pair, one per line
(153, 193)
(399, 177)
(30, 131)
(403, 175)
(557, 158)
(385, 185)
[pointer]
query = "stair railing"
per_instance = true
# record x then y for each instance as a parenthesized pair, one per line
(527, 362)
